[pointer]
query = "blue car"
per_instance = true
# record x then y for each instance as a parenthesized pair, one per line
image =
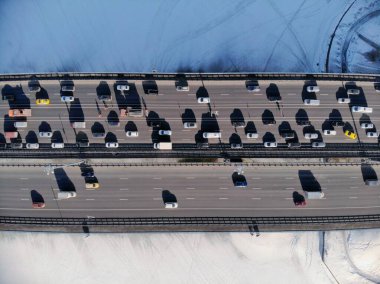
(241, 183)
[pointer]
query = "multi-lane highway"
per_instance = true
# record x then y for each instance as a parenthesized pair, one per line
(230, 100)
(199, 191)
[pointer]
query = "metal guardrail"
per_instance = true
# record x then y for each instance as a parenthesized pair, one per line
(173, 221)
(190, 76)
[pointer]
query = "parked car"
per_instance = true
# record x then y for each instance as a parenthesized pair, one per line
(339, 123)
(122, 87)
(350, 134)
(165, 132)
(344, 100)
(190, 125)
(311, 102)
(270, 144)
(32, 146)
(45, 134)
(377, 87)
(132, 133)
(311, 135)
(312, 89)
(112, 145)
(38, 204)
(318, 144)
(181, 88)
(16, 145)
(241, 183)
(67, 99)
(366, 125)
(171, 205)
(353, 91)
(236, 145)
(204, 100)
(67, 88)
(252, 135)
(57, 145)
(372, 134)
(361, 109)
(43, 102)
(238, 124)
(98, 134)
(329, 132)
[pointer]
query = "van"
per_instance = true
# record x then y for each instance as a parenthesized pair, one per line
(309, 102)
(78, 124)
(212, 134)
(20, 124)
(57, 145)
(66, 194)
(314, 194)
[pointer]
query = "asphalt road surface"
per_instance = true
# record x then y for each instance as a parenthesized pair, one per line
(229, 100)
(199, 191)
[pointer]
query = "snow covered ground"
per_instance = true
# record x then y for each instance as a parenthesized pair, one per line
(349, 257)
(171, 36)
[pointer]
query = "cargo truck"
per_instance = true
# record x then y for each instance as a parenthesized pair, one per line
(19, 112)
(163, 146)
(11, 134)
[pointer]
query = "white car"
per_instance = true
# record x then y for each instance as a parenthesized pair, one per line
(182, 88)
(309, 102)
(366, 125)
(122, 87)
(190, 125)
(311, 135)
(32, 146)
(312, 89)
(372, 134)
(361, 109)
(270, 144)
(165, 132)
(57, 145)
(45, 134)
(132, 133)
(171, 205)
(318, 144)
(204, 100)
(353, 91)
(252, 135)
(112, 145)
(66, 194)
(67, 98)
(344, 100)
(329, 132)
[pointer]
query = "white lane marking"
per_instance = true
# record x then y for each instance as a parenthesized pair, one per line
(223, 198)
(292, 94)
(224, 94)
(91, 94)
(123, 199)
(124, 189)
(352, 187)
(353, 197)
(24, 188)
(90, 199)
(190, 198)
(324, 94)
(191, 94)
(190, 177)
(290, 188)
(157, 178)
(256, 188)
(257, 94)
(159, 188)
(354, 177)
(25, 199)
(223, 187)
(157, 198)
(24, 178)
(190, 187)
(256, 198)
(288, 198)
(123, 178)
(256, 178)
(289, 178)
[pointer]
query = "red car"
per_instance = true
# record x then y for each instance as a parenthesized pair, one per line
(38, 204)
(300, 203)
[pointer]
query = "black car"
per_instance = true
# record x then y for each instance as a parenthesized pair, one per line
(377, 86)
(274, 98)
(154, 123)
(304, 122)
(16, 145)
(99, 134)
(294, 145)
(88, 174)
(337, 123)
(269, 121)
(238, 124)
(106, 98)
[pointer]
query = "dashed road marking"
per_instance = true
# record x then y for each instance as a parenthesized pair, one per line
(157, 198)
(190, 187)
(124, 189)
(90, 199)
(24, 178)
(123, 178)
(190, 177)
(157, 178)
(354, 177)
(292, 94)
(191, 94)
(224, 94)
(353, 187)
(256, 198)
(290, 188)
(289, 178)
(353, 197)
(223, 198)
(324, 94)
(190, 198)
(91, 94)
(257, 94)
(159, 188)
(25, 199)
(123, 199)
(24, 188)
(256, 188)
(256, 178)
(288, 198)
(223, 187)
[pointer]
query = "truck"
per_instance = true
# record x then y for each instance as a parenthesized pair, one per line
(314, 194)
(78, 124)
(11, 134)
(20, 112)
(163, 145)
(130, 111)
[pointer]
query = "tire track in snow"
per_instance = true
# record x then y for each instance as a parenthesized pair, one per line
(287, 27)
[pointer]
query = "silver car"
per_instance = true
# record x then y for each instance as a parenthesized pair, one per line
(112, 145)
(312, 89)
(311, 135)
(366, 125)
(372, 134)
(165, 132)
(132, 134)
(318, 144)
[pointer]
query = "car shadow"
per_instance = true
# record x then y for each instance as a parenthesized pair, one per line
(63, 181)
(167, 196)
(308, 181)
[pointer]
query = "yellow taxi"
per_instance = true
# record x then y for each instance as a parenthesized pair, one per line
(43, 101)
(350, 134)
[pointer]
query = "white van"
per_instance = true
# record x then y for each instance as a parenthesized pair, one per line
(314, 194)
(212, 134)
(66, 194)
(20, 124)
